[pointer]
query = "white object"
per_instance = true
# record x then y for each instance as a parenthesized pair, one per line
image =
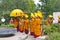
(55, 16)
(3, 20)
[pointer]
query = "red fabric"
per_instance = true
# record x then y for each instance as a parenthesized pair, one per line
(31, 33)
(21, 31)
(11, 21)
(26, 31)
(18, 29)
(35, 36)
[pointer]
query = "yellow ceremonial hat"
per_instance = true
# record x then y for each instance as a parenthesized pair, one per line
(35, 14)
(26, 16)
(32, 15)
(50, 16)
(39, 14)
(16, 13)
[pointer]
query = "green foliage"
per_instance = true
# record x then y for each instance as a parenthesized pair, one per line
(7, 26)
(11, 25)
(53, 31)
(3, 25)
(54, 36)
(6, 6)
(52, 28)
(46, 29)
(49, 6)
(25, 5)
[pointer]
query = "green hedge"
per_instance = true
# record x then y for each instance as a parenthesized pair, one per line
(52, 28)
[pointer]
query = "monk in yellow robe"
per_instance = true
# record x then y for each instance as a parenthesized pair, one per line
(49, 20)
(32, 24)
(16, 23)
(26, 24)
(38, 25)
(21, 24)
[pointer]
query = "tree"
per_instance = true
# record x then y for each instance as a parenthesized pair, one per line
(25, 5)
(6, 6)
(48, 6)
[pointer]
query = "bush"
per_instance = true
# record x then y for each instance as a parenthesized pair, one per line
(54, 36)
(11, 25)
(3, 25)
(52, 28)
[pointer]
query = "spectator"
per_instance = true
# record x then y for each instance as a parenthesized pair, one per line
(3, 20)
(11, 21)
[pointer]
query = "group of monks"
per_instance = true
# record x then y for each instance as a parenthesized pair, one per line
(32, 25)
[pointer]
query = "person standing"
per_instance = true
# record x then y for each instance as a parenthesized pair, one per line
(3, 20)
(32, 24)
(49, 20)
(16, 23)
(11, 21)
(21, 24)
(38, 25)
(26, 24)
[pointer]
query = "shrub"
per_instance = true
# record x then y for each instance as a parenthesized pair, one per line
(54, 36)
(3, 25)
(50, 29)
(11, 25)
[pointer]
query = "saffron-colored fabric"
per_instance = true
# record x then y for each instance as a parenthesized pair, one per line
(48, 22)
(16, 22)
(26, 28)
(38, 24)
(21, 25)
(32, 26)
(58, 20)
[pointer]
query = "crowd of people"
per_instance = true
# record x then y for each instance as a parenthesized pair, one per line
(32, 25)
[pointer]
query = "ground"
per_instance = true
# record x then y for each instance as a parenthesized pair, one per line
(22, 36)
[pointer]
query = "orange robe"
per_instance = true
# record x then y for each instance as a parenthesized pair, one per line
(38, 24)
(26, 24)
(16, 23)
(21, 25)
(58, 20)
(32, 26)
(48, 22)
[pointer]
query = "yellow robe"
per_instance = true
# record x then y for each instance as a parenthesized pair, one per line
(32, 26)
(47, 22)
(15, 23)
(21, 25)
(26, 24)
(58, 20)
(38, 24)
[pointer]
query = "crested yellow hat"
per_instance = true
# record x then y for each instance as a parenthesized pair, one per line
(50, 16)
(39, 14)
(26, 16)
(35, 14)
(32, 15)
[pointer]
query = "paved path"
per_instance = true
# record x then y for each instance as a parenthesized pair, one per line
(20, 36)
